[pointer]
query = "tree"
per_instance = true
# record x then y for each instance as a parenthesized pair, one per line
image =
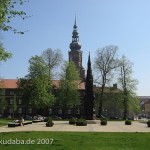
(24, 88)
(14, 105)
(128, 84)
(4, 55)
(52, 58)
(36, 86)
(69, 94)
(7, 13)
(105, 62)
(2, 100)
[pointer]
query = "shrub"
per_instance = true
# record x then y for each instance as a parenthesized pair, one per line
(103, 122)
(49, 123)
(72, 121)
(148, 123)
(81, 122)
(128, 122)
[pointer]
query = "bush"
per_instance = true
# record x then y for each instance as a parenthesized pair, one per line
(148, 123)
(49, 123)
(128, 122)
(81, 122)
(72, 121)
(103, 122)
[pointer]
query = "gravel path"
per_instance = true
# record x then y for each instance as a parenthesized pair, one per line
(112, 126)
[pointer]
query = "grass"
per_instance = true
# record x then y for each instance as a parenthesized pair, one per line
(5, 121)
(77, 141)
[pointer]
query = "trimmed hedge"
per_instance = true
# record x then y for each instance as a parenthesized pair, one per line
(148, 123)
(103, 122)
(81, 122)
(128, 122)
(72, 121)
(49, 123)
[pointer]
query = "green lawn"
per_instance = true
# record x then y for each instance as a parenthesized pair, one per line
(75, 141)
(5, 121)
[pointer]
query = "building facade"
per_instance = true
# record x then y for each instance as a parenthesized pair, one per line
(9, 93)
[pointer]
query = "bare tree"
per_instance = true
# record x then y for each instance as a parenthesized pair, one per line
(52, 58)
(105, 62)
(128, 84)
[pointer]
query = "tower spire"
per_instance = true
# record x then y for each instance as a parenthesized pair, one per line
(75, 21)
(75, 53)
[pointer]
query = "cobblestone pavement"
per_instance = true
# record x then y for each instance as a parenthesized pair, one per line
(112, 126)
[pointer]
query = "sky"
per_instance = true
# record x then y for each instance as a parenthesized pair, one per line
(124, 23)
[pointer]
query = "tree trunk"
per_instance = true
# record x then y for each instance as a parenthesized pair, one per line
(101, 100)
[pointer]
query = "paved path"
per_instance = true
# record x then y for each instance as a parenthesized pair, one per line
(112, 126)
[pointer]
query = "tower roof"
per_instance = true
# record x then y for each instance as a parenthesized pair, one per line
(75, 44)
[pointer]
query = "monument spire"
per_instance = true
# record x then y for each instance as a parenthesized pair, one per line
(89, 94)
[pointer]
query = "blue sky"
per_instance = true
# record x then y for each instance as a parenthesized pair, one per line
(124, 23)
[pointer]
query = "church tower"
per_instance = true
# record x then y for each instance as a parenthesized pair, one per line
(75, 53)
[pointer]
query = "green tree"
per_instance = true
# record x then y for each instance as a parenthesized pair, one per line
(24, 88)
(105, 62)
(128, 85)
(14, 106)
(36, 86)
(69, 94)
(4, 55)
(7, 13)
(2, 100)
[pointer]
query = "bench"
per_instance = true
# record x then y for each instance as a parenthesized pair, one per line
(15, 124)
(36, 121)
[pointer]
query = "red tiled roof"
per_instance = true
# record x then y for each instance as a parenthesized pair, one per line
(12, 83)
(8, 83)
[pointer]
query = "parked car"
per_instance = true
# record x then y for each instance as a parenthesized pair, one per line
(38, 117)
(102, 117)
(114, 118)
(56, 117)
(27, 117)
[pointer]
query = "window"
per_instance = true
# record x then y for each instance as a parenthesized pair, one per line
(60, 111)
(50, 111)
(20, 101)
(78, 111)
(11, 93)
(11, 101)
(69, 111)
(30, 110)
(20, 110)
(10, 110)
